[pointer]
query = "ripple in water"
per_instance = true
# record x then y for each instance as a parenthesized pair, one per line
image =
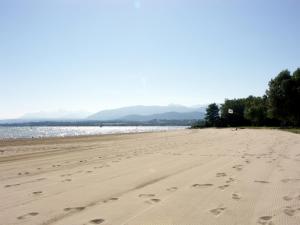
(44, 131)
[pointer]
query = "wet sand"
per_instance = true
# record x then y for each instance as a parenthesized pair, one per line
(187, 177)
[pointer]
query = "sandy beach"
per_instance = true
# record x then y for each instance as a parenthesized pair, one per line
(188, 177)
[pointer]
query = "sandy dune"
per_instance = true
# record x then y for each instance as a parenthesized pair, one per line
(190, 177)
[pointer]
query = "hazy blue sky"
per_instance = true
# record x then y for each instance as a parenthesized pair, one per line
(98, 54)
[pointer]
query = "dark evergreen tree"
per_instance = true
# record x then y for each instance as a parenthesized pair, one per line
(212, 115)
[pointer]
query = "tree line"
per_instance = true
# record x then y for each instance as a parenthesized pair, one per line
(280, 106)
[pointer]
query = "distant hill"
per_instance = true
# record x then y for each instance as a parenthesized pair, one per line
(135, 115)
(164, 116)
(142, 113)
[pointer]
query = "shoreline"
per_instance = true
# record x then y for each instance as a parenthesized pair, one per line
(92, 135)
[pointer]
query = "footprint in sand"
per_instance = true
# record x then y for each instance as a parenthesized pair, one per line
(217, 211)
(67, 180)
(290, 211)
(171, 189)
(221, 174)
(74, 209)
(11, 185)
(24, 173)
(265, 220)
(97, 221)
(262, 181)
(201, 185)
(229, 180)
(146, 195)
(150, 201)
(223, 187)
(56, 166)
(153, 200)
(66, 175)
(98, 167)
(236, 196)
(238, 167)
(111, 199)
(287, 198)
(26, 215)
(287, 180)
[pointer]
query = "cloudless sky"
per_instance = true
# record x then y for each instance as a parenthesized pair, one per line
(97, 54)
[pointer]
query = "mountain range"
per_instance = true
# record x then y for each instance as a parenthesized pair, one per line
(139, 113)
(144, 113)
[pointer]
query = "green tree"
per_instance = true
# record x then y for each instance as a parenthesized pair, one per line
(295, 108)
(212, 115)
(284, 97)
(256, 110)
(232, 112)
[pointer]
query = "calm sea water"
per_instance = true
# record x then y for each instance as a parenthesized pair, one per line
(38, 132)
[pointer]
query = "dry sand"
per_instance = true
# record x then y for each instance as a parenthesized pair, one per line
(190, 177)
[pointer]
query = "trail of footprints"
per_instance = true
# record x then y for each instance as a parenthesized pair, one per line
(235, 196)
(26, 182)
(26, 173)
(263, 220)
(80, 208)
(152, 199)
(82, 161)
(288, 211)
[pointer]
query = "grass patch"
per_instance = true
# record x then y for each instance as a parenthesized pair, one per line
(292, 130)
